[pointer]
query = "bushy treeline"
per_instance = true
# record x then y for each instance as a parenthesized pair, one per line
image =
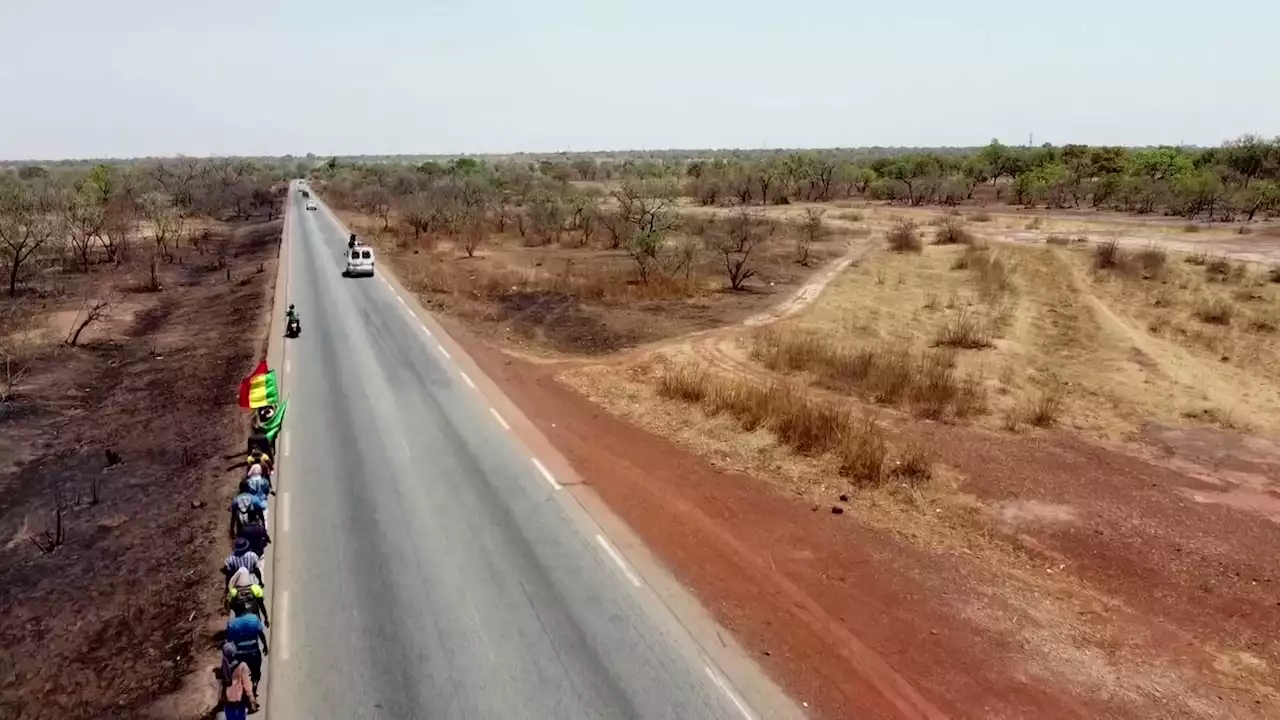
(1239, 180)
(86, 214)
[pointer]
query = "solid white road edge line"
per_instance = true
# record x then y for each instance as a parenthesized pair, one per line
(501, 421)
(443, 351)
(467, 379)
(282, 627)
(728, 690)
(617, 559)
(546, 474)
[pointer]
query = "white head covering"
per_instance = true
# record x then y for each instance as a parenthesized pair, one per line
(242, 578)
(255, 470)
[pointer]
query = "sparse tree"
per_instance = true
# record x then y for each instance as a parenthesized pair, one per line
(85, 219)
(472, 236)
(743, 234)
(30, 217)
(119, 222)
(416, 212)
(15, 320)
(649, 206)
(375, 200)
(644, 249)
(1262, 196)
(166, 222)
(95, 307)
(813, 230)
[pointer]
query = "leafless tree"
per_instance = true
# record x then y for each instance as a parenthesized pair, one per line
(166, 221)
(15, 320)
(472, 236)
(375, 200)
(813, 230)
(546, 219)
(584, 216)
(416, 211)
(617, 226)
(53, 539)
(95, 307)
(738, 241)
(649, 206)
(120, 221)
(29, 218)
(85, 219)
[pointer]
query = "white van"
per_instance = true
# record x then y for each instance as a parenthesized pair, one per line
(359, 261)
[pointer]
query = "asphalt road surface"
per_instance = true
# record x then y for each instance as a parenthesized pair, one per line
(424, 566)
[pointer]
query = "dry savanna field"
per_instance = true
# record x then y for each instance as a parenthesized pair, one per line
(996, 429)
(1068, 417)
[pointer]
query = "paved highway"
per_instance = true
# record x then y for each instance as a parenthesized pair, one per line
(424, 566)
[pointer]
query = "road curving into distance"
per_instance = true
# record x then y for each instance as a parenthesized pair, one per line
(426, 564)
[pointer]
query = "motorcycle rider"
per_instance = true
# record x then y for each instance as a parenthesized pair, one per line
(351, 243)
(292, 318)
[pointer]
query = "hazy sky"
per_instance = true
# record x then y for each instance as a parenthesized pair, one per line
(161, 77)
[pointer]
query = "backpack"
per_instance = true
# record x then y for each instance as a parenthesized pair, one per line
(259, 486)
(244, 601)
(248, 510)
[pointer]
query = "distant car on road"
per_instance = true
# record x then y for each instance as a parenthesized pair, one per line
(311, 204)
(359, 261)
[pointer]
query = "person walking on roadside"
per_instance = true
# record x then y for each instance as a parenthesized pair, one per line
(257, 457)
(245, 593)
(246, 508)
(238, 697)
(243, 557)
(257, 483)
(247, 632)
(257, 536)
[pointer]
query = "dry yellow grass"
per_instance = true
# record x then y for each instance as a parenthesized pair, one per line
(924, 381)
(806, 424)
(1102, 340)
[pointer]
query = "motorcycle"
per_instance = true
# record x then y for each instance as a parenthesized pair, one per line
(293, 329)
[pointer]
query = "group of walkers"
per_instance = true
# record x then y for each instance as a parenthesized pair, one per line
(246, 634)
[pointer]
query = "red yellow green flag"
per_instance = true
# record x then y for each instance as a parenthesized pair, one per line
(259, 389)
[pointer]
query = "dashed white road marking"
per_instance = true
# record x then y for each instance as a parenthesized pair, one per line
(443, 351)
(546, 474)
(286, 365)
(501, 421)
(467, 379)
(401, 299)
(428, 332)
(284, 444)
(284, 512)
(282, 626)
(728, 690)
(617, 558)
